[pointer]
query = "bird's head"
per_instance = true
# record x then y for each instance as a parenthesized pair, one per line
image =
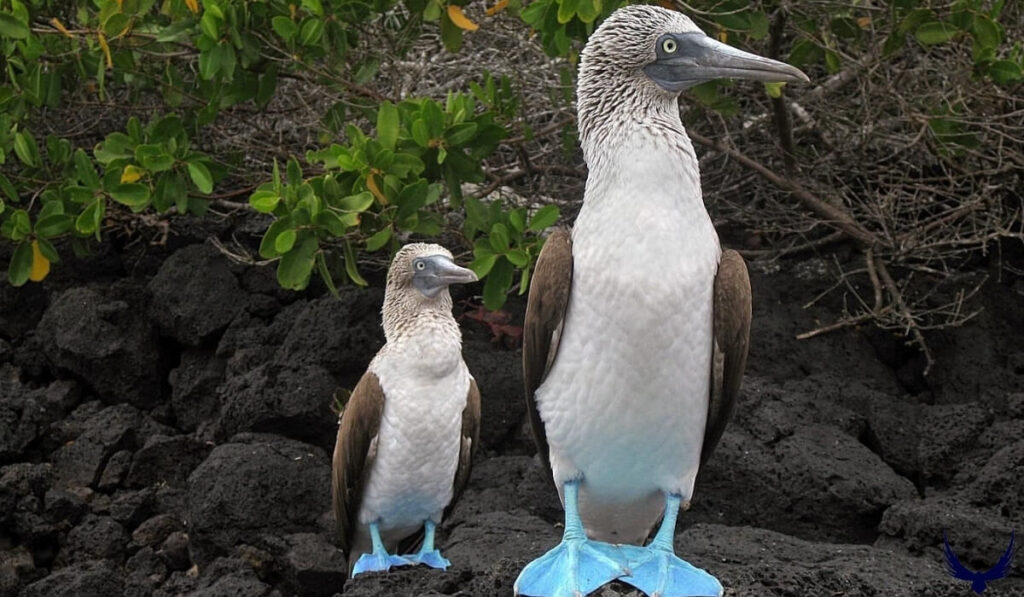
(425, 271)
(646, 55)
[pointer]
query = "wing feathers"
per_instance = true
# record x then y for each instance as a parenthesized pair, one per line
(731, 339)
(545, 313)
(353, 454)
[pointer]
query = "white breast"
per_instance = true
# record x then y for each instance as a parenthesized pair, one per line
(625, 403)
(425, 383)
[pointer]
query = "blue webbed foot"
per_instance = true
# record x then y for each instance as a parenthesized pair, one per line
(572, 569)
(433, 558)
(661, 573)
(380, 560)
(658, 572)
(577, 565)
(377, 562)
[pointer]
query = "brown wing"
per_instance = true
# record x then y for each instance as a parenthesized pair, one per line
(470, 441)
(545, 312)
(354, 451)
(731, 339)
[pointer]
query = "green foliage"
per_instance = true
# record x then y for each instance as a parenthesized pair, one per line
(194, 62)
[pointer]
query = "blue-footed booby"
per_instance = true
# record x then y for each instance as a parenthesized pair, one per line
(407, 434)
(637, 325)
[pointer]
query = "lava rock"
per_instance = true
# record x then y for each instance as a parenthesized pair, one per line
(231, 577)
(948, 431)
(97, 578)
(754, 562)
(26, 414)
(1000, 483)
(257, 483)
(312, 566)
(16, 569)
(194, 385)
(81, 462)
(979, 535)
(130, 508)
(499, 375)
(166, 460)
(339, 334)
(291, 400)
(107, 343)
(95, 538)
(174, 551)
(145, 571)
(115, 470)
(194, 295)
(154, 531)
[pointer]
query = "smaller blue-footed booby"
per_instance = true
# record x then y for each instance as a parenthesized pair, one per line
(407, 434)
(637, 325)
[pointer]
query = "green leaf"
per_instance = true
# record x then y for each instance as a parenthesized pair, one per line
(350, 265)
(284, 27)
(567, 10)
(133, 195)
(387, 125)
(296, 265)
(379, 239)
(91, 217)
(12, 28)
(335, 224)
(357, 203)
(482, 264)
(986, 32)
(21, 264)
(267, 245)
(312, 31)
(115, 24)
(325, 274)
(54, 225)
(209, 24)
(460, 134)
(10, 191)
(25, 148)
(497, 283)
(21, 226)
(545, 217)
(518, 257)
(499, 237)
(774, 89)
(935, 32)
(285, 241)
(201, 177)
(804, 52)
(1005, 72)
(47, 250)
(832, 63)
(419, 133)
(264, 201)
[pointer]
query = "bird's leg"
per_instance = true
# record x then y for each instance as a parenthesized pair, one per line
(658, 572)
(427, 555)
(577, 565)
(380, 560)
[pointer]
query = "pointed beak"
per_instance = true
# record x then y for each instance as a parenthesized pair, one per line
(437, 273)
(695, 58)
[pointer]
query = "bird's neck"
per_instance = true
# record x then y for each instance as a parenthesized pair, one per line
(408, 316)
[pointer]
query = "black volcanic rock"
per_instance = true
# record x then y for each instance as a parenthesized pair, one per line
(107, 343)
(194, 295)
(255, 484)
(94, 578)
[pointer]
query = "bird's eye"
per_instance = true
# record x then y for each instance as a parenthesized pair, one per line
(420, 265)
(669, 45)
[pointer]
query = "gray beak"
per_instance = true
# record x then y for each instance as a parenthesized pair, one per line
(688, 59)
(436, 272)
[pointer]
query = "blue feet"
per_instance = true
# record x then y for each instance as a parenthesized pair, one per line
(427, 555)
(658, 572)
(663, 574)
(576, 566)
(572, 569)
(380, 560)
(373, 562)
(433, 558)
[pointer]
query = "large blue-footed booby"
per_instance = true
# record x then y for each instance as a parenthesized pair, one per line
(637, 325)
(409, 429)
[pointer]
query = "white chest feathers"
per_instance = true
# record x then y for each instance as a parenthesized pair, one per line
(425, 384)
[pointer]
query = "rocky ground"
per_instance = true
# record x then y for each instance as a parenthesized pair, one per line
(166, 429)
